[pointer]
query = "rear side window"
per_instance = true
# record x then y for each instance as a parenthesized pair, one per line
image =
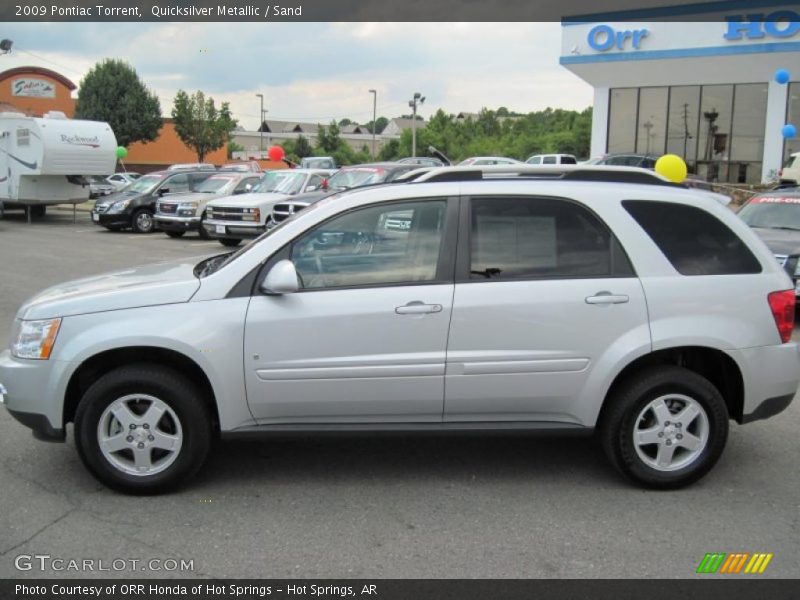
(549, 160)
(568, 160)
(532, 238)
(693, 240)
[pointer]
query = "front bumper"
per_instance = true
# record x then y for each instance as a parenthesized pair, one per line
(175, 223)
(111, 219)
(230, 229)
(32, 393)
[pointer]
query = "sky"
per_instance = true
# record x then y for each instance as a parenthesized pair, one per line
(319, 71)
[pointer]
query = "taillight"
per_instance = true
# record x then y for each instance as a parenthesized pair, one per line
(782, 306)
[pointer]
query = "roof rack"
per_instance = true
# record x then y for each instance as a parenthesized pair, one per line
(545, 172)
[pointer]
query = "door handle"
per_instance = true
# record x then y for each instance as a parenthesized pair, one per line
(607, 298)
(418, 308)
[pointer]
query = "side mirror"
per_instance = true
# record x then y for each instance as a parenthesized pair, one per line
(163, 191)
(281, 279)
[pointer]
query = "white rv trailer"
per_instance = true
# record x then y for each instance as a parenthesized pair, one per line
(42, 160)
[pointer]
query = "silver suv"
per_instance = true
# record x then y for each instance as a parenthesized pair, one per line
(496, 298)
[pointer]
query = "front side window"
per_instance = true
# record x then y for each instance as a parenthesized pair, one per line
(177, 183)
(525, 238)
(378, 245)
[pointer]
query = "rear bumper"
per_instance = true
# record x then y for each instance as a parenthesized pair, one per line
(771, 377)
(174, 223)
(232, 229)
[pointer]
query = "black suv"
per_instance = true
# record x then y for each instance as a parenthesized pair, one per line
(134, 206)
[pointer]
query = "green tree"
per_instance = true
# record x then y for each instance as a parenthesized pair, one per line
(328, 138)
(234, 147)
(302, 147)
(200, 125)
(112, 92)
(390, 151)
(380, 125)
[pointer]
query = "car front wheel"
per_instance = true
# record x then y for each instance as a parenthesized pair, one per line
(665, 427)
(143, 221)
(142, 429)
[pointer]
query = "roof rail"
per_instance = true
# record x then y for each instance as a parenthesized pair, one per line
(560, 172)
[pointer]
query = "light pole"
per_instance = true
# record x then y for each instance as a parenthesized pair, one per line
(416, 100)
(261, 124)
(374, 117)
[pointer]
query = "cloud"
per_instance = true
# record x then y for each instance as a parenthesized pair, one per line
(319, 71)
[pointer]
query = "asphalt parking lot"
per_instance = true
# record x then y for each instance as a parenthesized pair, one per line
(383, 507)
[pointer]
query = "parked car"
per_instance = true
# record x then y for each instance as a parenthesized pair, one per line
(476, 161)
(134, 206)
(318, 162)
(552, 159)
(645, 311)
(250, 166)
(790, 173)
(231, 219)
(178, 213)
(422, 161)
(192, 167)
(775, 217)
(121, 180)
(644, 161)
(98, 186)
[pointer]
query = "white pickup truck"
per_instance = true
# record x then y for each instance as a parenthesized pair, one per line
(234, 218)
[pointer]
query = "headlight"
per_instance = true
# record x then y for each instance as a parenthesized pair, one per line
(119, 206)
(187, 208)
(35, 339)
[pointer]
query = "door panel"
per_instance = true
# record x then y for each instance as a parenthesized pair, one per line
(524, 350)
(365, 338)
(347, 355)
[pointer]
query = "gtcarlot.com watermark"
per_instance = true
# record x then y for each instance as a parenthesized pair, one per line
(47, 562)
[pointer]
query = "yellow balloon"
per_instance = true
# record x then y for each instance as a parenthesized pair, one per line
(672, 167)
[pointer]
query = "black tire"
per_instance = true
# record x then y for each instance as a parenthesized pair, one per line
(202, 231)
(619, 420)
(230, 242)
(175, 234)
(166, 385)
(142, 221)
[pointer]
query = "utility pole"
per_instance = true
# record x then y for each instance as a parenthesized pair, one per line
(374, 117)
(413, 103)
(261, 125)
(686, 135)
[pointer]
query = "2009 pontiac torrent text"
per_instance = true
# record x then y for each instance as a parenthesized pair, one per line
(471, 298)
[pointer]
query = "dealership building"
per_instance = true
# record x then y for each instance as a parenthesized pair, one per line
(704, 90)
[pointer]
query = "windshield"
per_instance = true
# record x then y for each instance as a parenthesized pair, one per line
(772, 213)
(213, 184)
(280, 182)
(145, 184)
(350, 178)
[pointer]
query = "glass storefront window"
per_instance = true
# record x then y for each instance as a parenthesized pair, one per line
(622, 120)
(747, 135)
(683, 122)
(652, 127)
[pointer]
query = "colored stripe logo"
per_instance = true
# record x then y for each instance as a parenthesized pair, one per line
(734, 563)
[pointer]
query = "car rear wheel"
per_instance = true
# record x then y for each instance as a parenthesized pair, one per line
(142, 429)
(143, 221)
(665, 427)
(230, 242)
(175, 234)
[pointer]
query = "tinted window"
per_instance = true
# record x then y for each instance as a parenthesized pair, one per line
(568, 160)
(519, 238)
(378, 245)
(693, 240)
